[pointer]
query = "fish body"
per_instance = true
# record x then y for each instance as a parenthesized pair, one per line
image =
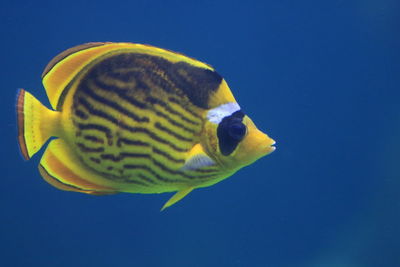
(136, 118)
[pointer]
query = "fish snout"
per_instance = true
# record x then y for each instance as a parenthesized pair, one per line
(262, 143)
(270, 146)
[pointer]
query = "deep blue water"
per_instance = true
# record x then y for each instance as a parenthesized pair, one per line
(320, 77)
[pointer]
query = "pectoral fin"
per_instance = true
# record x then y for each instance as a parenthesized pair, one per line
(197, 159)
(178, 196)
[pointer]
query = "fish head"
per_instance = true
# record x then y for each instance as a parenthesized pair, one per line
(254, 144)
(234, 141)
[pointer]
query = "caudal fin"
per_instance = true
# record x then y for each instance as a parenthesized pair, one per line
(36, 123)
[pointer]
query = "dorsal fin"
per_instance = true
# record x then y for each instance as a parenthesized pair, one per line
(68, 52)
(63, 68)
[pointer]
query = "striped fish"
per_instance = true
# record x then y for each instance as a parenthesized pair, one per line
(136, 118)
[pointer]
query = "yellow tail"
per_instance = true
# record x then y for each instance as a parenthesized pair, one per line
(36, 123)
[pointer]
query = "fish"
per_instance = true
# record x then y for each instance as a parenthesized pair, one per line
(135, 118)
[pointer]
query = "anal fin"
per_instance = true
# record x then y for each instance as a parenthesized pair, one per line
(178, 196)
(65, 172)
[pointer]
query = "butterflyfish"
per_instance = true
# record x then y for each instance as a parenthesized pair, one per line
(135, 118)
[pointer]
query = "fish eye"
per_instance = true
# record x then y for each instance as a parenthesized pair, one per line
(230, 132)
(237, 130)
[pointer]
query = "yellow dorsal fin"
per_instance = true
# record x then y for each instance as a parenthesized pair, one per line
(66, 53)
(178, 196)
(64, 67)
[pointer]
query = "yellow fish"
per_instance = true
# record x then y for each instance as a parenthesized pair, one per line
(136, 118)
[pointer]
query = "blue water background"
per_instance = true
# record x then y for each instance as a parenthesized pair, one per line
(320, 77)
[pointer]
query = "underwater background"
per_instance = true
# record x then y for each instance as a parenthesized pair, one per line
(322, 78)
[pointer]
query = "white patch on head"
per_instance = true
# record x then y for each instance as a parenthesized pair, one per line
(216, 115)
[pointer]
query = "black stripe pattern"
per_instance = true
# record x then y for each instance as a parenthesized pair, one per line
(137, 116)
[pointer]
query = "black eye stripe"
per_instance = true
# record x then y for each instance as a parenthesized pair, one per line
(237, 114)
(227, 141)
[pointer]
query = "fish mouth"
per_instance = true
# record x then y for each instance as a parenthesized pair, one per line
(271, 148)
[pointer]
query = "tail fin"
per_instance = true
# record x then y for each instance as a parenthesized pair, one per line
(36, 123)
